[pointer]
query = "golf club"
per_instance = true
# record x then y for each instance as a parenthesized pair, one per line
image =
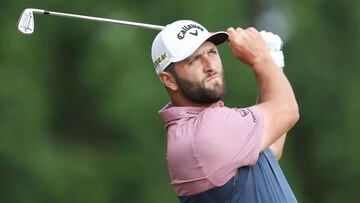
(26, 20)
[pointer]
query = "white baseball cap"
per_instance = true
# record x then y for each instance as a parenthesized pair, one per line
(179, 40)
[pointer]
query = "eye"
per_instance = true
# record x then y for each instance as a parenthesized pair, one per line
(193, 60)
(213, 51)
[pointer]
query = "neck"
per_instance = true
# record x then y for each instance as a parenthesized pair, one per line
(180, 100)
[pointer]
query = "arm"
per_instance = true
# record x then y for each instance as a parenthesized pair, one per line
(278, 146)
(278, 102)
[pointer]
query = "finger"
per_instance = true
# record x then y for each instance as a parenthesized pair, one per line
(230, 31)
(252, 29)
(239, 30)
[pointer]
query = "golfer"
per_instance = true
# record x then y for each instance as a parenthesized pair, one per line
(218, 154)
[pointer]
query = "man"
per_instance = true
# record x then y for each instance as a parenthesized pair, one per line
(216, 153)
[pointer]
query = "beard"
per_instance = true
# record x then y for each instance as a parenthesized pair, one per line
(197, 92)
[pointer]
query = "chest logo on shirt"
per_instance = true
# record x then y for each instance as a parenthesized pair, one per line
(192, 113)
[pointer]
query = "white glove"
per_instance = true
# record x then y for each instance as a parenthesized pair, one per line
(274, 44)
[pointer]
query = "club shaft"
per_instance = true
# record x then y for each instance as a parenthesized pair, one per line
(98, 19)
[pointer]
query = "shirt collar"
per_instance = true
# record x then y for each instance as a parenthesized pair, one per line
(170, 112)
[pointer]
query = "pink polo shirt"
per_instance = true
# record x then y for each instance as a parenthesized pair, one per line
(206, 146)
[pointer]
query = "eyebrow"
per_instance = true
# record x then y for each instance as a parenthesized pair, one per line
(191, 57)
(198, 55)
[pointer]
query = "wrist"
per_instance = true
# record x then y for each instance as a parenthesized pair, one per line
(263, 62)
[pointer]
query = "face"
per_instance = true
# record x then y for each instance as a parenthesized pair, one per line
(200, 77)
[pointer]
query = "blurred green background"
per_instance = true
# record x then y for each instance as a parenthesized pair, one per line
(79, 100)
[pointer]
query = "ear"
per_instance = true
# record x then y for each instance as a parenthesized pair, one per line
(168, 80)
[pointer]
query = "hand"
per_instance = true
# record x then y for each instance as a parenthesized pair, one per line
(248, 45)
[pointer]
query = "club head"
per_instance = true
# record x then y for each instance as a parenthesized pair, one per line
(26, 22)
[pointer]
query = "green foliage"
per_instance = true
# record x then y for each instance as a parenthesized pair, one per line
(79, 100)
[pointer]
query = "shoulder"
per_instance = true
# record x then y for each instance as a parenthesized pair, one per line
(226, 115)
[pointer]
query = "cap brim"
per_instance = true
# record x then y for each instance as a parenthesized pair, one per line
(218, 37)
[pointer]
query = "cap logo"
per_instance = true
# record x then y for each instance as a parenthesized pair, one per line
(194, 33)
(185, 28)
(160, 59)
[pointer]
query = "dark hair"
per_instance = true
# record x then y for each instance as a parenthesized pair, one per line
(170, 68)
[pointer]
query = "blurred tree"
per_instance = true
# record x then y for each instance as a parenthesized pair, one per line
(79, 100)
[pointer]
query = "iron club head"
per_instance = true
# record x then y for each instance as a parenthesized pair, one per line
(26, 22)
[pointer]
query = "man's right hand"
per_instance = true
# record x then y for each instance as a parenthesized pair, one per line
(248, 46)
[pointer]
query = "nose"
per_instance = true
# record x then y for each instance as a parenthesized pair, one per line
(208, 64)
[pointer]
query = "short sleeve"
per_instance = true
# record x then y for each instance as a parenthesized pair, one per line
(227, 138)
